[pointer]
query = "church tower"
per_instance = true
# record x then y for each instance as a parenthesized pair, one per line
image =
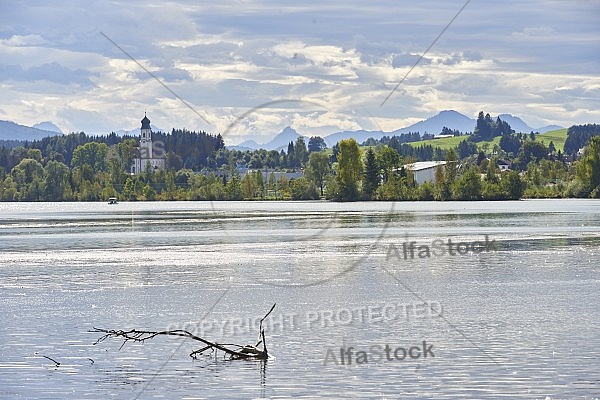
(146, 150)
(145, 138)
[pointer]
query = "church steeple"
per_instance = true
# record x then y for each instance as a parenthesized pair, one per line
(145, 122)
(147, 156)
(146, 138)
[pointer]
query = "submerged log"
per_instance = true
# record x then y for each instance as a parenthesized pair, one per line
(231, 351)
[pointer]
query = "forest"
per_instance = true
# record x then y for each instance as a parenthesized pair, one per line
(78, 167)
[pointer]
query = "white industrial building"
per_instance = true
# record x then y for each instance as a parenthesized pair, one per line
(424, 171)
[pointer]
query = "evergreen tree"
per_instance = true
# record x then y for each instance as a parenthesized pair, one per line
(512, 186)
(441, 189)
(510, 144)
(468, 186)
(300, 151)
(466, 148)
(480, 157)
(272, 184)
(578, 136)
(451, 167)
(291, 156)
(491, 172)
(531, 151)
(371, 179)
(486, 129)
(480, 127)
(334, 152)
(233, 189)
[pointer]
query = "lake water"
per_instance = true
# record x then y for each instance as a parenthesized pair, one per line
(516, 319)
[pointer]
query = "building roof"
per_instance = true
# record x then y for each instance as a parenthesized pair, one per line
(145, 122)
(421, 165)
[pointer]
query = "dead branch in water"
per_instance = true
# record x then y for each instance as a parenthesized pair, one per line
(232, 351)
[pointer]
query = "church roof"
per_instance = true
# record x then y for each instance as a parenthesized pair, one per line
(145, 122)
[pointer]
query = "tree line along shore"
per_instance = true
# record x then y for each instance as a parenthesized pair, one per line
(198, 166)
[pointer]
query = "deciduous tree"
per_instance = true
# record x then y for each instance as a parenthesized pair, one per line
(588, 169)
(349, 170)
(388, 160)
(316, 144)
(93, 154)
(317, 169)
(57, 185)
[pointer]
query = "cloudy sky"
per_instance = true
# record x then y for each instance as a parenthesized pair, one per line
(248, 68)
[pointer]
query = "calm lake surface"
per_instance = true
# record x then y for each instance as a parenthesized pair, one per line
(516, 319)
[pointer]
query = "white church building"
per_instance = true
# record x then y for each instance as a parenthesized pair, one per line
(147, 151)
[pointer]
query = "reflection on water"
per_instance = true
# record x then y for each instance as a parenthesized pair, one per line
(532, 305)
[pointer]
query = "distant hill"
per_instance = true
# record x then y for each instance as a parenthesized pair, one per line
(434, 125)
(549, 128)
(245, 145)
(448, 118)
(47, 126)
(520, 126)
(12, 131)
(516, 123)
(282, 139)
(359, 136)
(557, 136)
(279, 142)
(136, 131)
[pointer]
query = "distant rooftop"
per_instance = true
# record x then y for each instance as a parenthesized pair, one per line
(420, 165)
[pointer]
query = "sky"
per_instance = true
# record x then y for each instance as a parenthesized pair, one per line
(249, 68)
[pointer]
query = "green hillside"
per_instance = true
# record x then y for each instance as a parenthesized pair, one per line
(444, 143)
(558, 137)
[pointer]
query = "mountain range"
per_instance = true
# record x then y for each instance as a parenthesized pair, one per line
(433, 125)
(136, 131)
(279, 142)
(12, 131)
(47, 126)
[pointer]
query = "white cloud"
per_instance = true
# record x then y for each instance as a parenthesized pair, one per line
(23, 40)
(535, 57)
(200, 40)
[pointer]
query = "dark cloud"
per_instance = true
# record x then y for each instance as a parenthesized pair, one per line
(408, 60)
(53, 72)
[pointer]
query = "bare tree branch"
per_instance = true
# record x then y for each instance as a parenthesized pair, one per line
(232, 351)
